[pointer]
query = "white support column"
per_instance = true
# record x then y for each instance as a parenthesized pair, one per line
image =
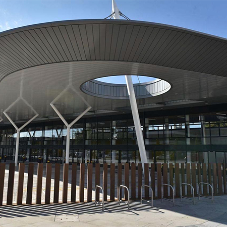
(136, 119)
(63, 119)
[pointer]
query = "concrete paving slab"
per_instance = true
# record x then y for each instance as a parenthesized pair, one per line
(204, 213)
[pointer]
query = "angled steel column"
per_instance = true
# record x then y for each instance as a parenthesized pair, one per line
(116, 15)
(136, 119)
(63, 119)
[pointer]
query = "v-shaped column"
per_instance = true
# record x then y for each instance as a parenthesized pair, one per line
(69, 87)
(13, 123)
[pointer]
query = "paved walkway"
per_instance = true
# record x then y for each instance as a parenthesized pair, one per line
(204, 213)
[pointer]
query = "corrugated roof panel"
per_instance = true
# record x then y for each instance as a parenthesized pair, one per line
(84, 38)
(137, 42)
(63, 39)
(90, 38)
(44, 42)
(109, 33)
(55, 43)
(114, 41)
(130, 46)
(35, 39)
(96, 36)
(120, 41)
(102, 29)
(125, 43)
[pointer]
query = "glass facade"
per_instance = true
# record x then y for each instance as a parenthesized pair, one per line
(177, 138)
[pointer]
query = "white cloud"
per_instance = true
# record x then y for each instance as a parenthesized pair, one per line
(9, 25)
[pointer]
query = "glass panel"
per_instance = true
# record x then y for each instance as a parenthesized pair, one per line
(160, 156)
(107, 156)
(124, 156)
(180, 156)
(170, 156)
(219, 157)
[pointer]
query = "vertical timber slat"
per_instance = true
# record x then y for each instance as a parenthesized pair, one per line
(165, 179)
(204, 179)
(126, 179)
(199, 176)
(171, 177)
(215, 178)
(89, 182)
(65, 182)
(82, 172)
(209, 177)
(20, 183)
(30, 183)
(48, 182)
(220, 186)
(10, 184)
(119, 180)
(224, 178)
(182, 179)
(105, 181)
(39, 183)
(159, 180)
(146, 179)
(2, 177)
(188, 171)
(177, 179)
(112, 181)
(133, 181)
(140, 177)
(153, 178)
(97, 179)
(194, 185)
(56, 182)
(73, 186)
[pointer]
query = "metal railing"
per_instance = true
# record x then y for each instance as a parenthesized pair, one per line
(171, 188)
(98, 186)
(192, 190)
(212, 190)
(123, 186)
(152, 196)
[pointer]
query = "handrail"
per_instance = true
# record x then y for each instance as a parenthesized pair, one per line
(152, 198)
(123, 186)
(212, 190)
(98, 186)
(169, 185)
(192, 190)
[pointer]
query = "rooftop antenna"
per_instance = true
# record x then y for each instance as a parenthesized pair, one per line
(116, 13)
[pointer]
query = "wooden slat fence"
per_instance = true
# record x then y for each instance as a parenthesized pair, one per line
(54, 183)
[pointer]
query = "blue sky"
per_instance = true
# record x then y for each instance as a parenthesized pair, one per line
(208, 16)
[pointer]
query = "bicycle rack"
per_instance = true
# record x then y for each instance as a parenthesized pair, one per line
(151, 193)
(192, 190)
(212, 190)
(97, 186)
(171, 188)
(123, 186)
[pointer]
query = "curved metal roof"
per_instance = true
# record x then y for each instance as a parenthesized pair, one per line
(45, 54)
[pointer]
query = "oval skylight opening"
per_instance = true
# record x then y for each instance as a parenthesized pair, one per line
(114, 87)
(121, 79)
